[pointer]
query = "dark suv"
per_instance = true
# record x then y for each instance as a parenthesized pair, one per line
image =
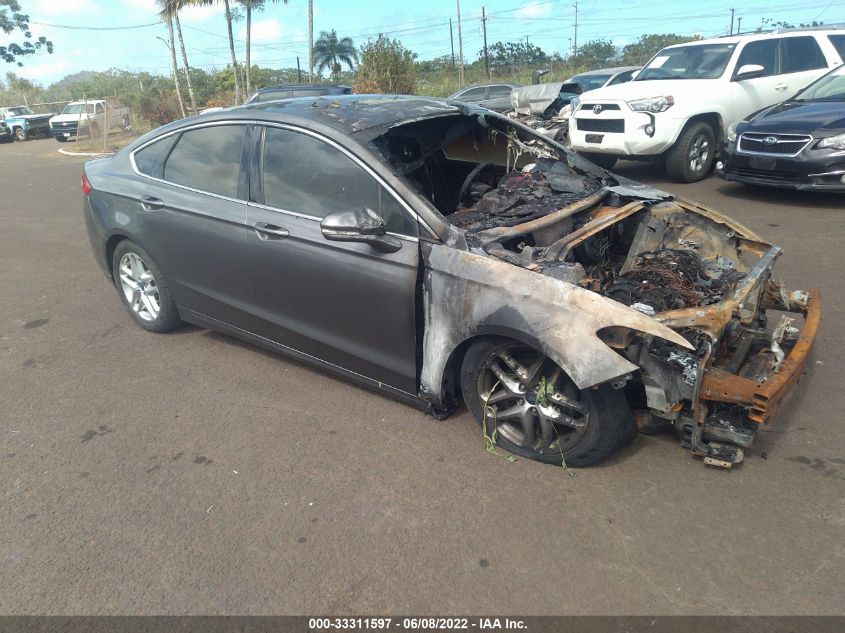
(274, 93)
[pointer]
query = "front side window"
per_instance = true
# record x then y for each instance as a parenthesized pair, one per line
(798, 54)
(208, 159)
(695, 61)
(499, 92)
(274, 95)
(761, 53)
(838, 42)
(306, 175)
(590, 82)
(472, 93)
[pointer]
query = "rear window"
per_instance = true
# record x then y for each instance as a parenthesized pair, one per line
(798, 54)
(208, 159)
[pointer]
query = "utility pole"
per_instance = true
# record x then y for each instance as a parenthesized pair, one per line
(298, 71)
(486, 56)
(310, 41)
(452, 42)
(575, 40)
(739, 26)
(460, 48)
(732, 21)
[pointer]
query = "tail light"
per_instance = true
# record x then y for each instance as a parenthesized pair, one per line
(86, 186)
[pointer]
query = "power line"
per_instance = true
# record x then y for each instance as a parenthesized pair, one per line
(72, 27)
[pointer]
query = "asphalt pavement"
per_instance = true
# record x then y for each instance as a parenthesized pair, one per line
(190, 473)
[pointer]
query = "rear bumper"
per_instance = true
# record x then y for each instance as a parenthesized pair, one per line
(763, 398)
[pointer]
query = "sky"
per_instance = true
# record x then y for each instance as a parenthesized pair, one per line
(279, 32)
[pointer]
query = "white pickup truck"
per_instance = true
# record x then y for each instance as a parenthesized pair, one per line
(88, 118)
(683, 102)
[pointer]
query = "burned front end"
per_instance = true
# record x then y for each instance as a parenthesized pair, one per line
(617, 282)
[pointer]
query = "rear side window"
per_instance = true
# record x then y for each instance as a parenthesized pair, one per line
(308, 93)
(838, 42)
(306, 175)
(208, 159)
(272, 96)
(798, 54)
(150, 160)
(761, 53)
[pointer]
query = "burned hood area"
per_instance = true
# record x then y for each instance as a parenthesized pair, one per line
(583, 265)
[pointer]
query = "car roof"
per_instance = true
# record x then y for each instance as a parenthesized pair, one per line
(751, 37)
(303, 87)
(608, 71)
(348, 114)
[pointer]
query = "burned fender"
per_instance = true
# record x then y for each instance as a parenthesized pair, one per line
(467, 295)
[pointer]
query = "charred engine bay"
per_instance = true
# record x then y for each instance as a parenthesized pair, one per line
(653, 258)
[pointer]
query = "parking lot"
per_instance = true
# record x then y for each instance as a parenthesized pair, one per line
(191, 473)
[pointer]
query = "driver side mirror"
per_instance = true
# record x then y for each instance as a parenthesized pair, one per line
(749, 71)
(359, 225)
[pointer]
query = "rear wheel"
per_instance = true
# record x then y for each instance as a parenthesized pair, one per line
(692, 155)
(531, 408)
(606, 161)
(143, 289)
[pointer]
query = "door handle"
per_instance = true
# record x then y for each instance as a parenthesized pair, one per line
(270, 231)
(150, 203)
(781, 86)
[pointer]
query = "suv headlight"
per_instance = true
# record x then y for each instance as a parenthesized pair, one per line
(832, 142)
(654, 104)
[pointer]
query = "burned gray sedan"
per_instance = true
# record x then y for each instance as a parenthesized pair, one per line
(440, 253)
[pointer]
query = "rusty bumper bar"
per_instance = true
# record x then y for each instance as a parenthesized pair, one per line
(765, 397)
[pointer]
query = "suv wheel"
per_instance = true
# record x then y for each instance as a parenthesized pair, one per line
(20, 134)
(691, 158)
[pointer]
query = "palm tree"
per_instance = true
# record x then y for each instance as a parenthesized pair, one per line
(330, 52)
(171, 8)
(165, 15)
(229, 19)
(250, 5)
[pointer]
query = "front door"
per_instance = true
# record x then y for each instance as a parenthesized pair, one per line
(342, 302)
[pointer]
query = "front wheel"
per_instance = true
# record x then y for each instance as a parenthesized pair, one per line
(531, 408)
(20, 133)
(61, 139)
(143, 289)
(691, 157)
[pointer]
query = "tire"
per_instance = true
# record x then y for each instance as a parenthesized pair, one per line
(60, 139)
(603, 412)
(152, 306)
(605, 161)
(20, 134)
(691, 157)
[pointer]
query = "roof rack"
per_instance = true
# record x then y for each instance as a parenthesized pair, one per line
(793, 29)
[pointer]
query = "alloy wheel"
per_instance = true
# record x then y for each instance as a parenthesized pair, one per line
(699, 152)
(529, 401)
(139, 287)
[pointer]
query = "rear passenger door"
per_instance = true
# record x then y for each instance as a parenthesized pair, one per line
(801, 62)
(342, 302)
(191, 216)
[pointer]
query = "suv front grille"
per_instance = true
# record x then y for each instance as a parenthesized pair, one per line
(774, 144)
(601, 125)
(604, 106)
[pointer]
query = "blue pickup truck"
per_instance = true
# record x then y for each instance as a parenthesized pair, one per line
(23, 122)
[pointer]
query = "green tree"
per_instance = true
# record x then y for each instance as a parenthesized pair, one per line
(595, 54)
(386, 67)
(331, 52)
(11, 19)
(230, 18)
(513, 56)
(648, 46)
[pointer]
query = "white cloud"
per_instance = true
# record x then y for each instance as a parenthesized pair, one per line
(263, 30)
(45, 73)
(534, 10)
(43, 8)
(141, 6)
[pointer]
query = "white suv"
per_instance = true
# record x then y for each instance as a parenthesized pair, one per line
(684, 100)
